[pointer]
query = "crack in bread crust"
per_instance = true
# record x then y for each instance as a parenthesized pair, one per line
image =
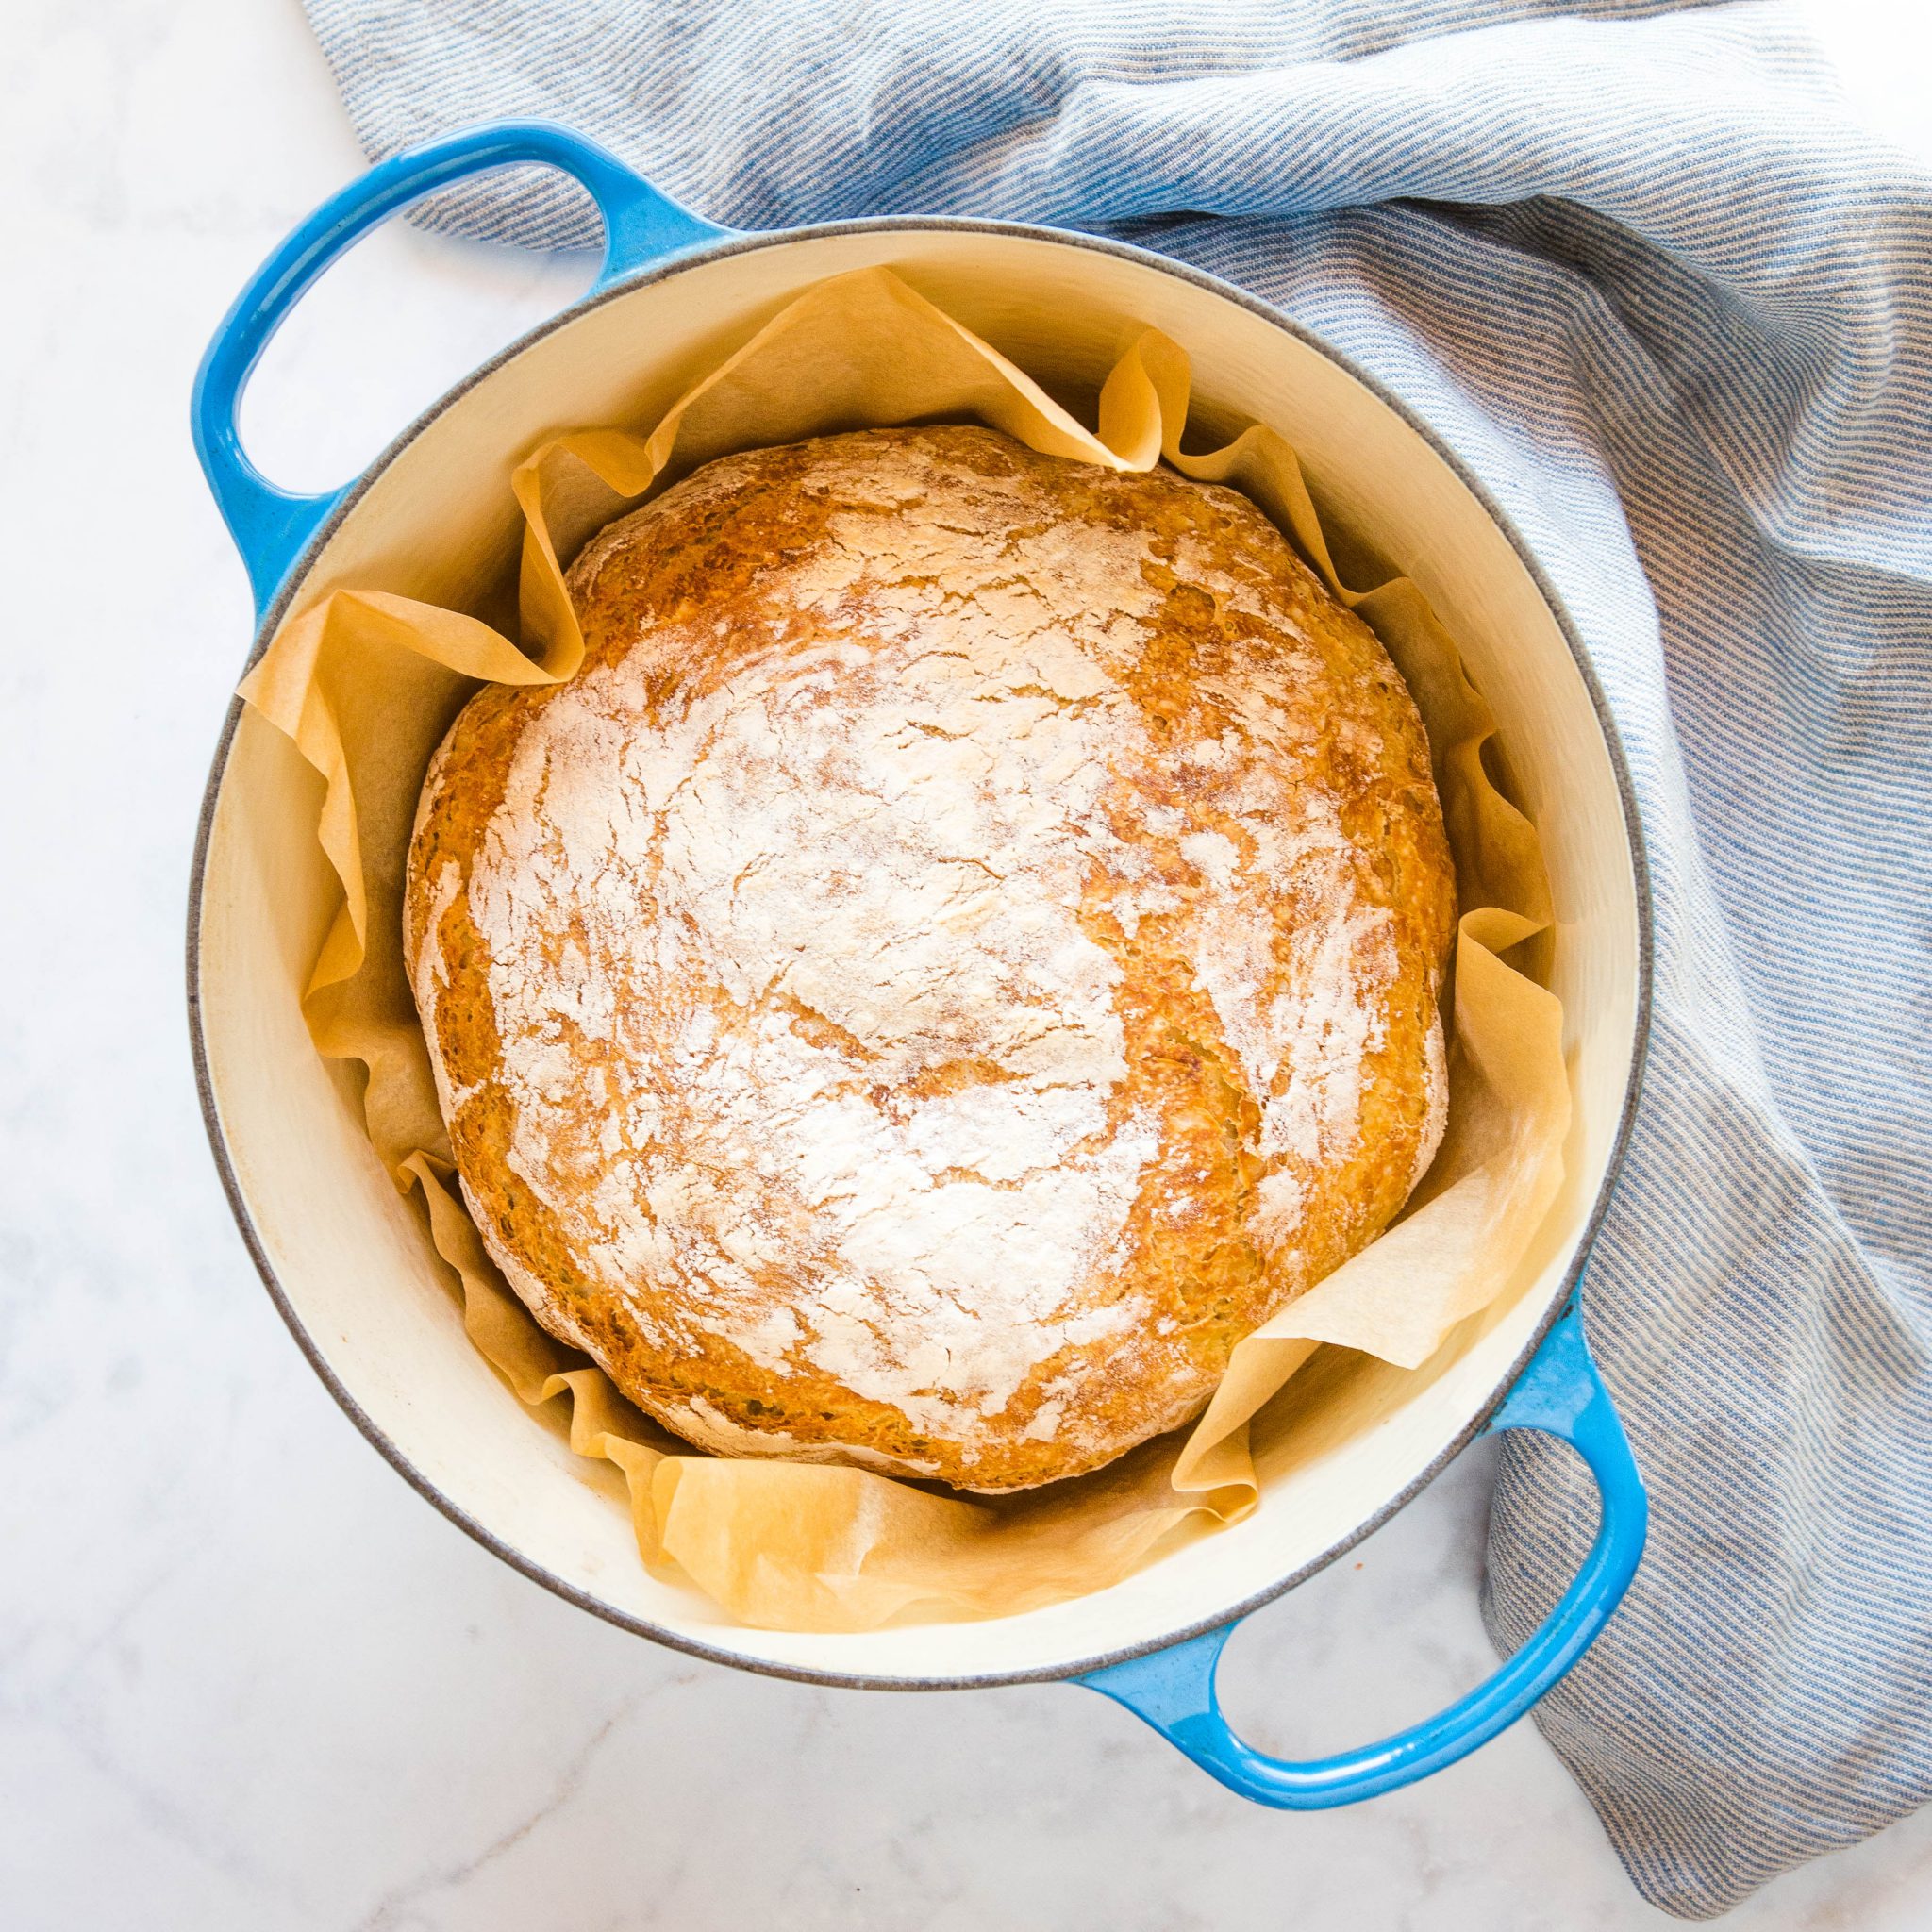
(961, 953)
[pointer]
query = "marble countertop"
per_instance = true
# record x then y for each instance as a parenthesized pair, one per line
(280, 1691)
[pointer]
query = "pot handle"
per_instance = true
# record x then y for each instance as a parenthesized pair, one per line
(270, 525)
(1559, 1393)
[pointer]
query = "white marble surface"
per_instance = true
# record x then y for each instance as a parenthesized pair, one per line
(282, 1693)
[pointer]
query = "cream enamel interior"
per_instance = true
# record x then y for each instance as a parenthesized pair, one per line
(438, 523)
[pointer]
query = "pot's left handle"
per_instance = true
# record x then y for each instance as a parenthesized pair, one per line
(271, 525)
(1562, 1393)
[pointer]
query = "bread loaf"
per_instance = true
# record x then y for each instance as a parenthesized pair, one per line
(961, 953)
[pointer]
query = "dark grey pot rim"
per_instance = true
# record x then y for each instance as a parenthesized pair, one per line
(291, 588)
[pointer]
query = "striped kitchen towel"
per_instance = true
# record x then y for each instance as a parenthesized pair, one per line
(1640, 267)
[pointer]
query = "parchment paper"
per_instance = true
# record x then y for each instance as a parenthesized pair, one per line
(366, 683)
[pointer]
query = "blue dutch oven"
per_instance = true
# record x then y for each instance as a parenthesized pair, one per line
(432, 518)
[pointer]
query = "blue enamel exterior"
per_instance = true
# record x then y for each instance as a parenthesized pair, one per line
(271, 525)
(1559, 1393)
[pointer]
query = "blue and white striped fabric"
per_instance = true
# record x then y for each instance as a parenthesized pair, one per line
(1639, 268)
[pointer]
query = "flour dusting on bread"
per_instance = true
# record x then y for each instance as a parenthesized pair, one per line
(934, 994)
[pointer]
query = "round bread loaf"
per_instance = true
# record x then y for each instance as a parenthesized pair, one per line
(961, 953)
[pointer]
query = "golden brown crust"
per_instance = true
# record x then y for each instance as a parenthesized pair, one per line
(962, 954)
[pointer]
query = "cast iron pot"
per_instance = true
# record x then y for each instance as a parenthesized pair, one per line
(340, 1253)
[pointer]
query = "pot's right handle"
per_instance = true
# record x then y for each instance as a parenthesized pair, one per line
(1559, 1393)
(271, 525)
